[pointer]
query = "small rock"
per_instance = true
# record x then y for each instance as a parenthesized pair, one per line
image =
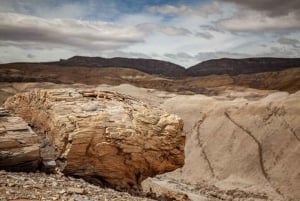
(61, 191)
(55, 197)
(76, 190)
(49, 164)
(11, 184)
(54, 184)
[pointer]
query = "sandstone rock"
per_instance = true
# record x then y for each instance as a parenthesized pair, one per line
(109, 136)
(19, 146)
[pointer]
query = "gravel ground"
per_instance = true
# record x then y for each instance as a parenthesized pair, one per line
(18, 186)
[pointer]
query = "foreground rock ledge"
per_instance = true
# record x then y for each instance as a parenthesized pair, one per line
(19, 145)
(107, 136)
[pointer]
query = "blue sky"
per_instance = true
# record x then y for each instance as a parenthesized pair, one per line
(181, 31)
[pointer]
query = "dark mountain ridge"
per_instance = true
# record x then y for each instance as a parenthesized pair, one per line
(242, 66)
(151, 66)
(167, 69)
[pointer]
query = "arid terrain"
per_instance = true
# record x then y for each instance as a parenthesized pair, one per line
(242, 130)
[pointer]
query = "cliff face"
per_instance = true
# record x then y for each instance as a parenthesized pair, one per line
(115, 139)
(19, 145)
(241, 66)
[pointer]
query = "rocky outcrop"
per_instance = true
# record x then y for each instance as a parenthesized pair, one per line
(103, 136)
(19, 145)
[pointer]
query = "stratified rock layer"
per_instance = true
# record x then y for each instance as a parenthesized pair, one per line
(19, 145)
(114, 138)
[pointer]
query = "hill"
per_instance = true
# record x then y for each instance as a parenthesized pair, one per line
(224, 66)
(151, 66)
(242, 66)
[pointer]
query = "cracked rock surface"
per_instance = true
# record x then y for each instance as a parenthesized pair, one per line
(104, 136)
(19, 145)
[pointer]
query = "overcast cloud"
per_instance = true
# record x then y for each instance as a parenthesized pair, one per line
(69, 32)
(184, 32)
(271, 7)
(290, 42)
(206, 10)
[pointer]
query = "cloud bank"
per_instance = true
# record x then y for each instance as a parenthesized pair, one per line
(184, 32)
(22, 29)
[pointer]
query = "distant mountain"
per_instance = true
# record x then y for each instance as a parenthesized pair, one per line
(284, 80)
(151, 66)
(166, 69)
(242, 66)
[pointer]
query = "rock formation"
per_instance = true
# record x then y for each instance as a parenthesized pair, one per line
(19, 145)
(251, 144)
(107, 136)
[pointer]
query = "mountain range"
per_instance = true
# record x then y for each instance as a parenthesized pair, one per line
(167, 69)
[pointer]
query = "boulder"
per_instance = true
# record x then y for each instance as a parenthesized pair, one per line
(116, 139)
(19, 145)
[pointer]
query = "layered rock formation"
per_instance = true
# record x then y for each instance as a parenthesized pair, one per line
(107, 136)
(19, 145)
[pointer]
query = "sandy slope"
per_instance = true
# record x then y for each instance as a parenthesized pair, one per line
(242, 143)
(245, 139)
(238, 142)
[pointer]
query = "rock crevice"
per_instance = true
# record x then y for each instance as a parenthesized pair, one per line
(259, 147)
(19, 145)
(197, 127)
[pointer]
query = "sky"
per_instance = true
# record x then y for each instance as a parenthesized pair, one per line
(185, 32)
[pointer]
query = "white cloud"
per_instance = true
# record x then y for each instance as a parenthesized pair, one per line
(168, 30)
(111, 54)
(289, 41)
(259, 22)
(17, 54)
(66, 32)
(202, 56)
(189, 60)
(277, 51)
(50, 30)
(213, 8)
(205, 35)
(269, 7)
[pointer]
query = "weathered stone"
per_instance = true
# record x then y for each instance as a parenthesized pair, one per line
(76, 190)
(115, 138)
(19, 146)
